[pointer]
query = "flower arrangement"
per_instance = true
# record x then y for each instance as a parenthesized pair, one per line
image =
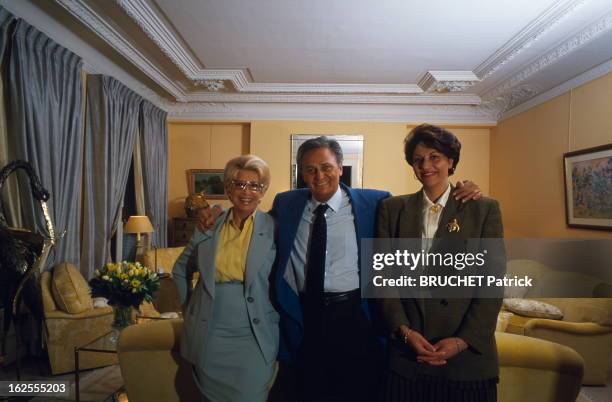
(124, 283)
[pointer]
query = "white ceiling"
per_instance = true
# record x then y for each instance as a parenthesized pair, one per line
(469, 61)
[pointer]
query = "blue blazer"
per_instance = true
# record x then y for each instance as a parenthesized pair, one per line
(199, 302)
(288, 208)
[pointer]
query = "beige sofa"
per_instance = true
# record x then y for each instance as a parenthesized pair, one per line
(530, 369)
(166, 298)
(587, 321)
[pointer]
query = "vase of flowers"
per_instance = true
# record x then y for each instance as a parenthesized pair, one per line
(126, 285)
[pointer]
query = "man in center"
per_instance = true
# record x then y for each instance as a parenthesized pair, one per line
(325, 327)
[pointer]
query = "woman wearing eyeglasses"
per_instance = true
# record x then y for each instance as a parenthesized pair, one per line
(230, 331)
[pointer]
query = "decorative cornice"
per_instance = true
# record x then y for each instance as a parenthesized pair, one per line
(423, 99)
(436, 114)
(447, 81)
(531, 33)
(508, 88)
(98, 24)
(592, 74)
(212, 85)
(155, 28)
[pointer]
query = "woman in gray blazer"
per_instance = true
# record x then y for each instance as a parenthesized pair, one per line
(443, 349)
(230, 331)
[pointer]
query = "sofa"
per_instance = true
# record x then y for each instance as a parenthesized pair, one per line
(65, 330)
(530, 369)
(586, 305)
(163, 259)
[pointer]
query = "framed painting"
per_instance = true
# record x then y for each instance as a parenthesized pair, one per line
(208, 180)
(588, 188)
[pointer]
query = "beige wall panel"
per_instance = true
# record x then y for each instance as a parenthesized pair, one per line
(188, 148)
(591, 122)
(200, 146)
(384, 165)
(527, 159)
(226, 143)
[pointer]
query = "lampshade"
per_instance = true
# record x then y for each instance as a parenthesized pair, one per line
(138, 224)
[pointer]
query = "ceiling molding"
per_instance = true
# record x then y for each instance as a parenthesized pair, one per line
(98, 24)
(447, 81)
(423, 99)
(575, 82)
(505, 90)
(524, 39)
(153, 26)
(436, 114)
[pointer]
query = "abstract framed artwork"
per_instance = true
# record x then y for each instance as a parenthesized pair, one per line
(208, 180)
(588, 188)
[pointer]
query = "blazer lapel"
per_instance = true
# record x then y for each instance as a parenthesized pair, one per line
(411, 222)
(207, 252)
(411, 227)
(258, 248)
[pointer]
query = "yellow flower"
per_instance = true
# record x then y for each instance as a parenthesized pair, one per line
(105, 277)
(135, 283)
(132, 272)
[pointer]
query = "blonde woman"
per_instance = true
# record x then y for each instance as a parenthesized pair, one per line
(230, 332)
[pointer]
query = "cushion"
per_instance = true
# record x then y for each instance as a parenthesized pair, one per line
(70, 290)
(533, 308)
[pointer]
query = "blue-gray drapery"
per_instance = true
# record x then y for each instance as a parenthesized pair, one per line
(9, 196)
(154, 143)
(111, 123)
(44, 118)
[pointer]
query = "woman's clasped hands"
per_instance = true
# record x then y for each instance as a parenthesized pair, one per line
(436, 354)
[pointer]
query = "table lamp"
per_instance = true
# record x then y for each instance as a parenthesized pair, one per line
(138, 224)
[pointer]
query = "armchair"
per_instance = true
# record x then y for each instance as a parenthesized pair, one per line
(586, 326)
(65, 331)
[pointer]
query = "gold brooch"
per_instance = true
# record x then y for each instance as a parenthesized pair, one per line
(453, 226)
(435, 208)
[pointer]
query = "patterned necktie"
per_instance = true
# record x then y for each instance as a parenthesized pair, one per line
(315, 267)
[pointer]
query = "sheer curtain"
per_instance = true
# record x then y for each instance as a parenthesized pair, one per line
(154, 146)
(44, 122)
(111, 124)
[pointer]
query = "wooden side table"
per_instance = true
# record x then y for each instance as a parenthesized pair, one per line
(182, 230)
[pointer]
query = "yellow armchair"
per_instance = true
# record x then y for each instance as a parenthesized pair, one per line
(536, 370)
(586, 326)
(65, 331)
(151, 365)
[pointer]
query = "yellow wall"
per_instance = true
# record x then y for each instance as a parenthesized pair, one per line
(199, 146)
(527, 158)
(384, 166)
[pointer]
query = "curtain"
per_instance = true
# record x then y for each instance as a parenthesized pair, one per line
(154, 143)
(9, 195)
(111, 124)
(44, 119)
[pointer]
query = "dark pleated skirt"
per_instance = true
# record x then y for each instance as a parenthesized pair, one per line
(430, 389)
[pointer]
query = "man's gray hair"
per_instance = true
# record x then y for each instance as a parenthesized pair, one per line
(319, 142)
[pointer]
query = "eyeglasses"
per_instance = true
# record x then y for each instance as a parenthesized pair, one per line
(250, 185)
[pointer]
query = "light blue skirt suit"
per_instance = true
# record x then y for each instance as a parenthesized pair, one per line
(230, 331)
